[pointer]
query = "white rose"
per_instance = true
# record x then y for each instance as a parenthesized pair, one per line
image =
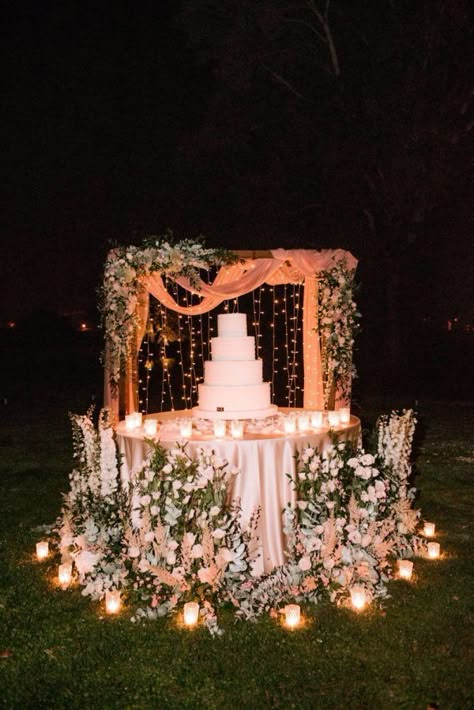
(304, 564)
(145, 500)
(154, 510)
(167, 468)
(172, 545)
(218, 533)
(171, 558)
(177, 485)
(215, 510)
(355, 537)
(189, 538)
(196, 551)
(367, 459)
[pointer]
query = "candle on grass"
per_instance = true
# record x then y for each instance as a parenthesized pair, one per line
(292, 615)
(433, 550)
(405, 569)
(191, 613)
(186, 428)
(358, 598)
(219, 428)
(65, 575)
(317, 420)
(345, 415)
(112, 601)
(429, 529)
(237, 429)
(42, 549)
(334, 419)
(150, 426)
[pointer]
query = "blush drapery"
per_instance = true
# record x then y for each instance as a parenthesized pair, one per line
(285, 266)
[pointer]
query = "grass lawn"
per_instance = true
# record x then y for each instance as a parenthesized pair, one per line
(58, 650)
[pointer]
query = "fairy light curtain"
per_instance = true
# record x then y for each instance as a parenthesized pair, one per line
(294, 266)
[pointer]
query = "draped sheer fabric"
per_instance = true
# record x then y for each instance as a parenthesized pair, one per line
(284, 267)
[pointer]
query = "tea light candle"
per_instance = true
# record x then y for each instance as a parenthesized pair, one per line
(42, 549)
(358, 598)
(303, 422)
(289, 424)
(150, 426)
(237, 429)
(433, 550)
(133, 420)
(219, 428)
(186, 428)
(334, 419)
(65, 575)
(292, 615)
(429, 530)
(191, 613)
(317, 420)
(345, 415)
(112, 601)
(405, 569)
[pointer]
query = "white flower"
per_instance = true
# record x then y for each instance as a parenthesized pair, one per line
(189, 538)
(366, 540)
(171, 558)
(133, 551)
(154, 510)
(218, 533)
(149, 536)
(145, 500)
(167, 468)
(177, 485)
(215, 510)
(304, 564)
(367, 459)
(302, 504)
(196, 551)
(355, 537)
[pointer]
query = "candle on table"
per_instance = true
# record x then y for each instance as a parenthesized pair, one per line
(42, 549)
(433, 550)
(345, 415)
(191, 613)
(429, 529)
(358, 598)
(289, 424)
(292, 615)
(237, 429)
(303, 422)
(133, 420)
(65, 575)
(150, 426)
(334, 419)
(186, 428)
(112, 601)
(317, 420)
(219, 428)
(405, 569)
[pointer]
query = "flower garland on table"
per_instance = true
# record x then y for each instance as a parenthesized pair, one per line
(338, 320)
(173, 536)
(125, 268)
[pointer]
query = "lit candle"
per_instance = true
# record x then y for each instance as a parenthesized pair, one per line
(358, 598)
(150, 426)
(405, 569)
(237, 429)
(292, 615)
(186, 428)
(345, 415)
(334, 419)
(133, 420)
(65, 575)
(112, 601)
(138, 419)
(219, 428)
(191, 613)
(42, 549)
(429, 530)
(317, 420)
(303, 422)
(433, 550)
(289, 424)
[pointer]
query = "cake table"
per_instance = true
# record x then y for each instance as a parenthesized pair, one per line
(265, 461)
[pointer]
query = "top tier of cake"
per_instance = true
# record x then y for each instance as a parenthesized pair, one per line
(232, 342)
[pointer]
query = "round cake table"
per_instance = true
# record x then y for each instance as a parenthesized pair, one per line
(265, 461)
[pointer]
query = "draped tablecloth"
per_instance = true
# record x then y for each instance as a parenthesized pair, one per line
(266, 466)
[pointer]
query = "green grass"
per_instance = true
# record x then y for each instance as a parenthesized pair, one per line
(58, 650)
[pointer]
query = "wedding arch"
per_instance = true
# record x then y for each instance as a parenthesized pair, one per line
(134, 273)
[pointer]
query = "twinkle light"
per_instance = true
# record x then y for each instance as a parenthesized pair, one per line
(191, 613)
(42, 550)
(292, 615)
(112, 601)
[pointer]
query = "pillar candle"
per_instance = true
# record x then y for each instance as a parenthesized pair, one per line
(237, 429)
(42, 549)
(191, 613)
(219, 428)
(292, 615)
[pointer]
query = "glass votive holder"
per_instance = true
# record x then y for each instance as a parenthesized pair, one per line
(65, 575)
(433, 550)
(150, 427)
(317, 420)
(42, 550)
(358, 598)
(219, 428)
(237, 429)
(292, 615)
(191, 613)
(112, 601)
(429, 529)
(186, 428)
(133, 420)
(405, 569)
(289, 424)
(345, 415)
(334, 419)
(303, 422)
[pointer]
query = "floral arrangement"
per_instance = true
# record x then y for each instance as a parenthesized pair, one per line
(172, 535)
(121, 288)
(338, 324)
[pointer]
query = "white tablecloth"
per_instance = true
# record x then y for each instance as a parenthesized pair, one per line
(263, 459)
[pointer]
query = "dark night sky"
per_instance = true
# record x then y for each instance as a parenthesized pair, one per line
(97, 100)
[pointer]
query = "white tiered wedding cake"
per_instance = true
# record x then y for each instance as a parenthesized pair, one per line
(233, 385)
